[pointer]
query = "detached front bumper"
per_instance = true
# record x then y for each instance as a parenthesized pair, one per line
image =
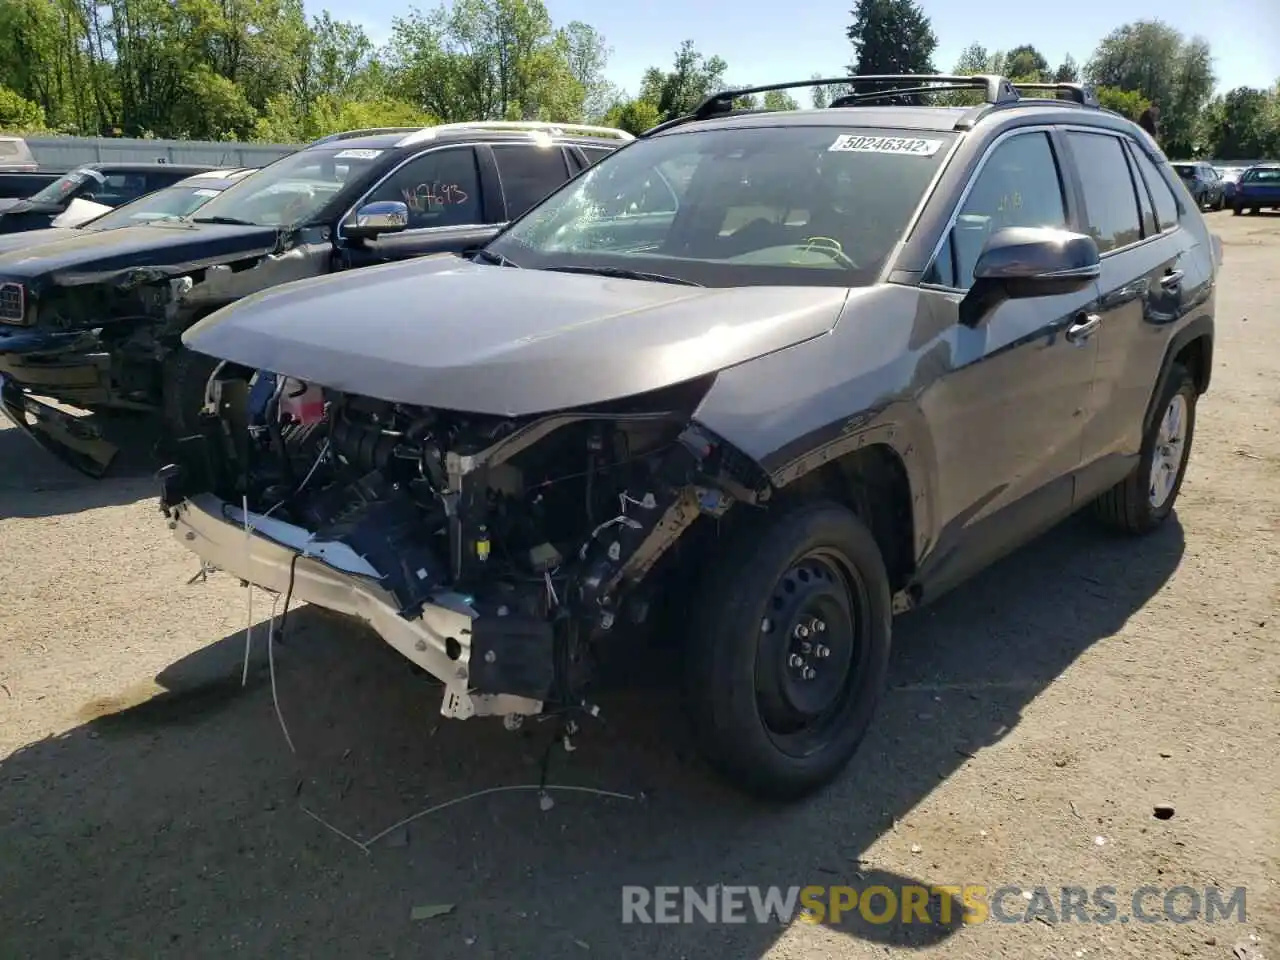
(67, 437)
(449, 639)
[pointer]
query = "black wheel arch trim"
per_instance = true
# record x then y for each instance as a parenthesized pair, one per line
(1201, 328)
(900, 427)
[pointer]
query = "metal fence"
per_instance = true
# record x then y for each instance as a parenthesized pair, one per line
(63, 153)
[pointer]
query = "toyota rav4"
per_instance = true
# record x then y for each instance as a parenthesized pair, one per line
(789, 373)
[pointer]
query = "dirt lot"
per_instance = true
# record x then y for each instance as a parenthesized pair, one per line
(150, 807)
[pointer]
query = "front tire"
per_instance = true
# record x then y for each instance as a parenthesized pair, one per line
(185, 375)
(1143, 500)
(789, 650)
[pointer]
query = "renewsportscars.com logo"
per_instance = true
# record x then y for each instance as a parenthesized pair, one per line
(943, 904)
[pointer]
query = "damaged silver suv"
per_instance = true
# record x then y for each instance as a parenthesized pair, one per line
(786, 374)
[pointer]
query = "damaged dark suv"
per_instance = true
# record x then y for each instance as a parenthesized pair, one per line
(96, 321)
(769, 377)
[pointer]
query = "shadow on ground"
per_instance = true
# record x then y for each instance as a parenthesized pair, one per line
(175, 824)
(35, 483)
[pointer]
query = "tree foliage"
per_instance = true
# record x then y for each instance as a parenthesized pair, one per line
(266, 70)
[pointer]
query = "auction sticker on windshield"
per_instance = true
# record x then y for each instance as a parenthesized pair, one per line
(356, 154)
(912, 146)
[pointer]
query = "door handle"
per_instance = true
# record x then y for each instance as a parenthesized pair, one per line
(1171, 279)
(1086, 326)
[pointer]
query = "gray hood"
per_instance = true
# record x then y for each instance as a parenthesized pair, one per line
(445, 332)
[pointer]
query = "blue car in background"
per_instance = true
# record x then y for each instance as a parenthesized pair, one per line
(1258, 187)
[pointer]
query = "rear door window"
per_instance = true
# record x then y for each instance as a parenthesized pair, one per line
(1161, 194)
(1110, 199)
(528, 173)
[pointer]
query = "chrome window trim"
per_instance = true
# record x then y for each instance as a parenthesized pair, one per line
(1042, 129)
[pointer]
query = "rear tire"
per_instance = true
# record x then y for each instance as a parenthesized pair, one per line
(184, 376)
(1144, 499)
(1236, 210)
(777, 711)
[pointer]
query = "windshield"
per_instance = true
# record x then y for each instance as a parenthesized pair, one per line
(292, 191)
(789, 205)
(164, 204)
(70, 185)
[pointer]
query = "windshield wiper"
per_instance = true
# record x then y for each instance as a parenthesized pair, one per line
(231, 221)
(624, 274)
(495, 258)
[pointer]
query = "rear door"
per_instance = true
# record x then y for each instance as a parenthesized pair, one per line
(447, 209)
(1149, 273)
(1007, 421)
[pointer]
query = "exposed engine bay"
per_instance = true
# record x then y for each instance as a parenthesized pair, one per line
(547, 526)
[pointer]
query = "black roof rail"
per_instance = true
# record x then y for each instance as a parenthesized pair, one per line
(1081, 93)
(994, 88)
(997, 92)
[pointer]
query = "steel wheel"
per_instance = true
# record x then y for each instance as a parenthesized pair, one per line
(810, 651)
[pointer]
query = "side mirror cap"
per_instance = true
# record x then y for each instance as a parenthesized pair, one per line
(374, 219)
(1020, 262)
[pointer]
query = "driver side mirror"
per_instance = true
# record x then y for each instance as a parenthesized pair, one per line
(374, 219)
(1021, 262)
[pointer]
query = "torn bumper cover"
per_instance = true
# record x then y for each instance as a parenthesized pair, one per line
(448, 638)
(66, 436)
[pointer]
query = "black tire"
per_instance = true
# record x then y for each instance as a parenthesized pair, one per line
(184, 376)
(1220, 202)
(742, 686)
(1236, 210)
(1129, 506)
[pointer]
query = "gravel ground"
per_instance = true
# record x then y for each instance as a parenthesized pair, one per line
(151, 807)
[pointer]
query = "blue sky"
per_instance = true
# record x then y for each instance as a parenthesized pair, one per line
(765, 41)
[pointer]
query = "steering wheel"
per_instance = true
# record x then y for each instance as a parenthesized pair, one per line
(831, 247)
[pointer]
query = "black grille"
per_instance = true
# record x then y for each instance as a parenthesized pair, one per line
(12, 303)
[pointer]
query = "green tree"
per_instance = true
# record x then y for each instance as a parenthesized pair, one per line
(1068, 71)
(692, 78)
(1242, 125)
(1155, 60)
(18, 114)
(821, 96)
(890, 36)
(1128, 103)
(1027, 64)
(779, 100)
(634, 116)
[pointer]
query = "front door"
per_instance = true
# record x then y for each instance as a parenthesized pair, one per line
(442, 190)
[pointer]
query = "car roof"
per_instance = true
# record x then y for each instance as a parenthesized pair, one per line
(144, 167)
(216, 179)
(480, 131)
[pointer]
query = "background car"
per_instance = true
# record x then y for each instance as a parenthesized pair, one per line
(1258, 188)
(107, 184)
(179, 200)
(1202, 182)
(346, 201)
(1229, 176)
